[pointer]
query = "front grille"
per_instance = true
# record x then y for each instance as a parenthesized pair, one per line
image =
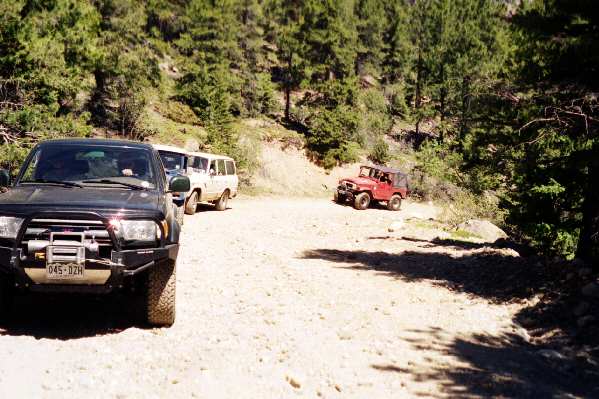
(40, 232)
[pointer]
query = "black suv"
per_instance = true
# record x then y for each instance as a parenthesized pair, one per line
(91, 216)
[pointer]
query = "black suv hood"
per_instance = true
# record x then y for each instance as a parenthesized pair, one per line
(30, 199)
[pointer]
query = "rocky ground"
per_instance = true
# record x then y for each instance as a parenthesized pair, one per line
(293, 298)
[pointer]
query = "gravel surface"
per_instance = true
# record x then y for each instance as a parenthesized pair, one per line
(289, 298)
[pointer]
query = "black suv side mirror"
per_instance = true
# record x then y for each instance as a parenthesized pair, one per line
(179, 184)
(4, 178)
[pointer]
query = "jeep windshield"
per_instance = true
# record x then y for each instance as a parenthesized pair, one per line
(90, 165)
(172, 161)
(366, 171)
(374, 173)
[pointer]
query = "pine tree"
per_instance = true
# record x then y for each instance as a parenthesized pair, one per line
(372, 24)
(329, 34)
(284, 31)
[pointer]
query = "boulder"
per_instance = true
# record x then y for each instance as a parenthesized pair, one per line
(484, 229)
(192, 145)
(368, 81)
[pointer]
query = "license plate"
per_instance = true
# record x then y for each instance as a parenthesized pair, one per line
(65, 271)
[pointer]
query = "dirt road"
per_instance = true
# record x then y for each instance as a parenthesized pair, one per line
(286, 298)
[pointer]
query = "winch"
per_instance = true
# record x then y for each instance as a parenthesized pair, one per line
(63, 247)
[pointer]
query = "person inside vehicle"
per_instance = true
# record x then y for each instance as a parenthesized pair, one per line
(130, 165)
(56, 168)
(385, 178)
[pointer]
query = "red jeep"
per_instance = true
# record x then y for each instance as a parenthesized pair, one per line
(376, 183)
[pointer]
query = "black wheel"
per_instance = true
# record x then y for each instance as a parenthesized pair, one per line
(160, 294)
(221, 204)
(180, 213)
(339, 198)
(192, 204)
(6, 296)
(394, 203)
(362, 201)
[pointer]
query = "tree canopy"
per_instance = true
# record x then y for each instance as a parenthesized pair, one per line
(504, 91)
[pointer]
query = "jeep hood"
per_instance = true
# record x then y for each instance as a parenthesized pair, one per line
(27, 199)
(360, 181)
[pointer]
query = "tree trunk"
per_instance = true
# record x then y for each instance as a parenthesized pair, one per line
(443, 94)
(465, 107)
(97, 100)
(418, 100)
(588, 243)
(442, 98)
(288, 87)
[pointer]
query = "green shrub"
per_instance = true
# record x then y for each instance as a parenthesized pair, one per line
(338, 93)
(331, 132)
(439, 161)
(463, 205)
(28, 125)
(380, 152)
(373, 100)
(178, 112)
(347, 153)
(259, 95)
(396, 96)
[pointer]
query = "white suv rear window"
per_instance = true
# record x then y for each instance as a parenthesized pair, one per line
(230, 167)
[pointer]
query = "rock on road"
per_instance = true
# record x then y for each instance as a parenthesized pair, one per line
(276, 298)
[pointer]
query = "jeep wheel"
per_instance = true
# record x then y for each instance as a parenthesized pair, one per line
(192, 204)
(160, 294)
(180, 214)
(221, 204)
(339, 198)
(362, 201)
(394, 203)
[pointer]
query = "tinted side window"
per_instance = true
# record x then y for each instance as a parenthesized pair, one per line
(213, 167)
(199, 164)
(230, 167)
(221, 167)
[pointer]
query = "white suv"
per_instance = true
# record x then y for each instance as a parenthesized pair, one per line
(175, 161)
(213, 179)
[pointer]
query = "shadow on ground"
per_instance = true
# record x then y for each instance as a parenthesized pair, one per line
(66, 317)
(460, 244)
(206, 207)
(493, 367)
(486, 274)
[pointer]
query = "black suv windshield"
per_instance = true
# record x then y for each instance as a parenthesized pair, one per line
(93, 165)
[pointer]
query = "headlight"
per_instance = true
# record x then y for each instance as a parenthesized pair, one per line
(9, 226)
(136, 230)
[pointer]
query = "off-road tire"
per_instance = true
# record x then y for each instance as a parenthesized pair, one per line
(191, 205)
(221, 204)
(161, 293)
(394, 203)
(339, 198)
(180, 214)
(362, 201)
(6, 297)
